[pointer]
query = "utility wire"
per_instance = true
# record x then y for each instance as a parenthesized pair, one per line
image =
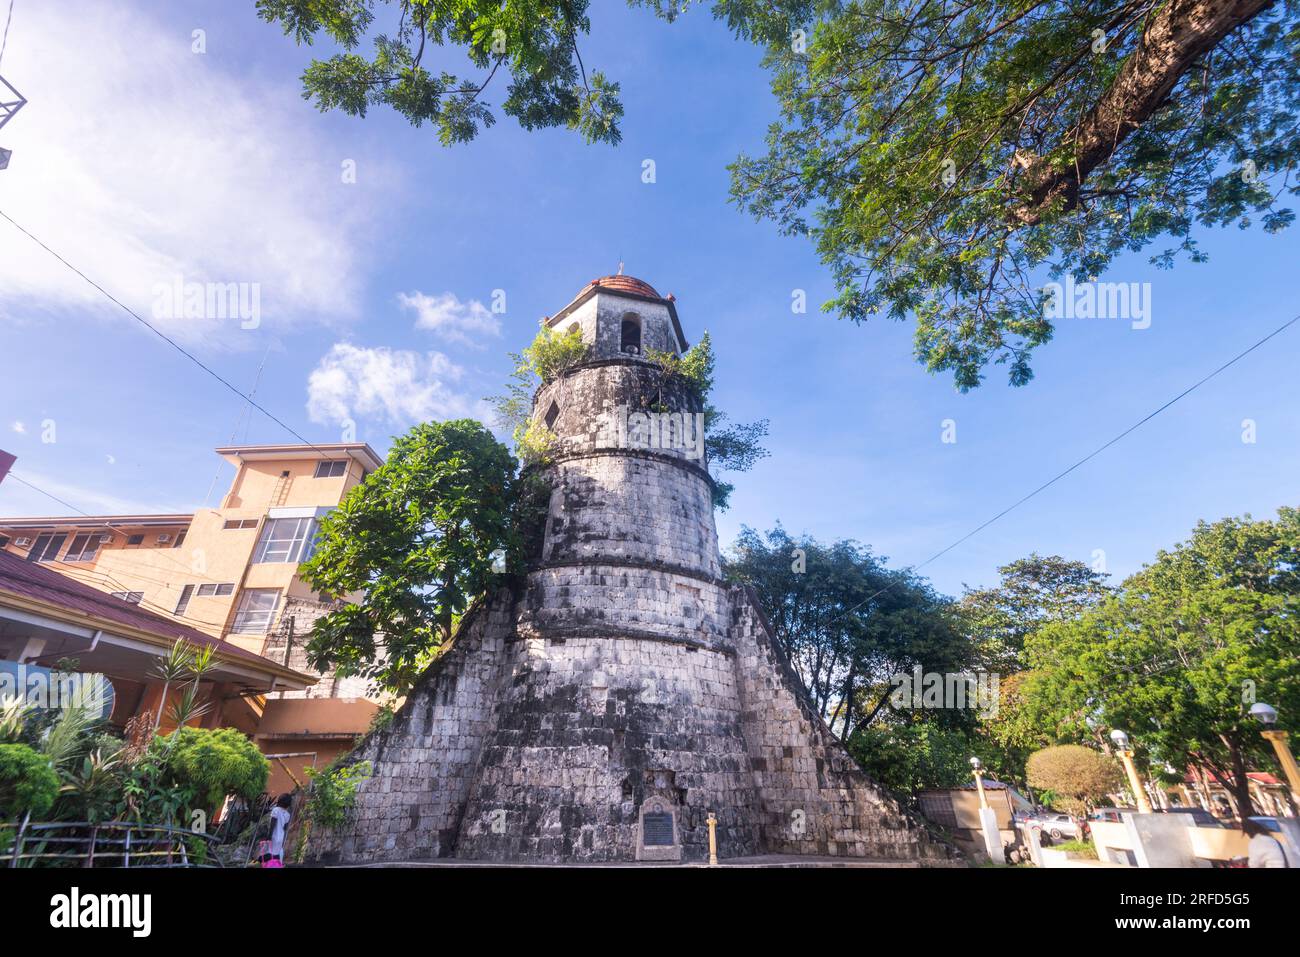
(163, 336)
(1091, 455)
(5, 42)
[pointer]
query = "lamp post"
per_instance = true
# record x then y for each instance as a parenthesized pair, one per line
(977, 769)
(1267, 716)
(988, 817)
(1126, 756)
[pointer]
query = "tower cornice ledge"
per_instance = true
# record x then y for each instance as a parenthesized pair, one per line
(648, 454)
(598, 561)
(613, 632)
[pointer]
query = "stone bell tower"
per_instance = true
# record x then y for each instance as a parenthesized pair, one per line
(604, 707)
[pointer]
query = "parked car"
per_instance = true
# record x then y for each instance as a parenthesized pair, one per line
(1112, 814)
(1060, 826)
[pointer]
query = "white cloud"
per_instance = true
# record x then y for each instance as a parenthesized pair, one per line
(450, 318)
(20, 499)
(399, 386)
(19, 427)
(144, 163)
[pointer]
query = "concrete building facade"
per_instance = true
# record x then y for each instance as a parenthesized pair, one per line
(231, 572)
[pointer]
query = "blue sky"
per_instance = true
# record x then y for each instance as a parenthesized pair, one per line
(140, 161)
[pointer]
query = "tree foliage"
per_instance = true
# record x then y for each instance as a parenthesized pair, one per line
(214, 763)
(550, 354)
(727, 448)
(27, 782)
(1177, 657)
(909, 756)
(1076, 776)
(1031, 592)
(945, 156)
(415, 542)
(532, 42)
(847, 623)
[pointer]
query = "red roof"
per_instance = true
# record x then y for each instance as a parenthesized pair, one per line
(41, 583)
(1259, 777)
(630, 284)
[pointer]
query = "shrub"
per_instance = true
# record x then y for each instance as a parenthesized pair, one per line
(334, 792)
(27, 782)
(1075, 774)
(552, 353)
(216, 763)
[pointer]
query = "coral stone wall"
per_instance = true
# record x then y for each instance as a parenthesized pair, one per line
(588, 730)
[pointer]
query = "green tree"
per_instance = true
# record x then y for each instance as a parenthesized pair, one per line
(847, 623)
(947, 158)
(27, 782)
(944, 158)
(1076, 776)
(532, 43)
(415, 542)
(1177, 657)
(909, 756)
(1032, 591)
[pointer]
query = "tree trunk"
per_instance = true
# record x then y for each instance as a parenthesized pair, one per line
(1240, 780)
(1176, 35)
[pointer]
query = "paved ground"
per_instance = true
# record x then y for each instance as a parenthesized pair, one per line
(766, 860)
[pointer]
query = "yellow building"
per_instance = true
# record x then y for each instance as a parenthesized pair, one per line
(232, 573)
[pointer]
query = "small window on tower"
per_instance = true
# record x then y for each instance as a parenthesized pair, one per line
(630, 340)
(552, 414)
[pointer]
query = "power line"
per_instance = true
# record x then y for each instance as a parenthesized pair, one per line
(1093, 454)
(162, 335)
(119, 527)
(5, 42)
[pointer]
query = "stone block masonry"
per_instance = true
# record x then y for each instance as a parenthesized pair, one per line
(620, 681)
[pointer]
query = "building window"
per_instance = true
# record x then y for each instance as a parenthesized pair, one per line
(630, 336)
(184, 603)
(286, 540)
(552, 414)
(46, 548)
(130, 597)
(83, 548)
(135, 539)
(332, 469)
(256, 609)
(239, 523)
(4, 541)
(180, 539)
(210, 591)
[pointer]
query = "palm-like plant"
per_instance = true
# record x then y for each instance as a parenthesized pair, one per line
(173, 667)
(13, 719)
(187, 707)
(65, 740)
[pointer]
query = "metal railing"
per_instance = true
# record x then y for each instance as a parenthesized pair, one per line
(106, 844)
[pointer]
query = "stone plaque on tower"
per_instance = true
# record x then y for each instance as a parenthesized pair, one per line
(658, 832)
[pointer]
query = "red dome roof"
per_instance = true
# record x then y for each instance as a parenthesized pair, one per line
(627, 284)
